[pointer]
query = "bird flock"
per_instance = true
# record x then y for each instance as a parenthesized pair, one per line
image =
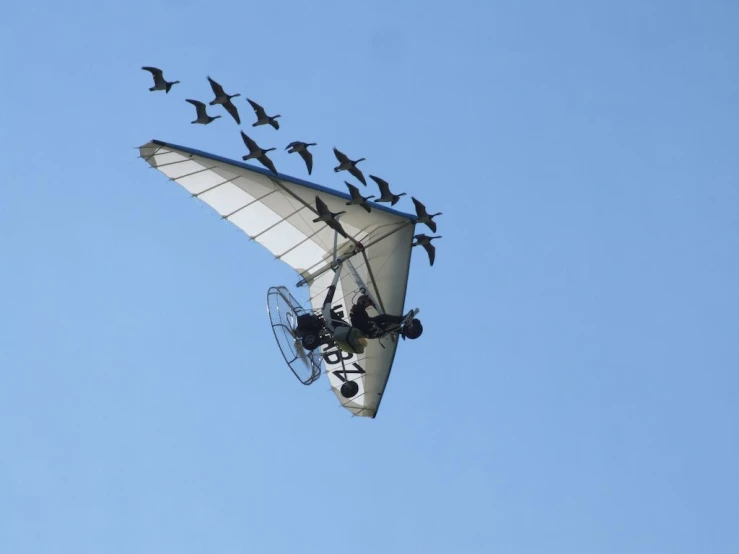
(259, 154)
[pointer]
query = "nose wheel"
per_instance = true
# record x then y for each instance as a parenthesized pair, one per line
(309, 341)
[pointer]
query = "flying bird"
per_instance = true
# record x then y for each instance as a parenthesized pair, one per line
(224, 99)
(302, 149)
(351, 166)
(423, 215)
(357, 198)
(385, 194)
(159, 82)
(202, 114)
(328, 217)
(262, 117)
(257, 153)
(425, 241)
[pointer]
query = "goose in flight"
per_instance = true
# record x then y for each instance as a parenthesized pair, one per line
(423, 215)
(257, 153)
(357, 199)
(328, 217)
(385, 194)
(262, 117)
(202, 114)
(351, 166)
(159, 82)
(302, 149)
(425, 241)
(224, 99)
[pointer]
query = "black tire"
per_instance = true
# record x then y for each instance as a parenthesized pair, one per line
(413, 329)
(310, 341)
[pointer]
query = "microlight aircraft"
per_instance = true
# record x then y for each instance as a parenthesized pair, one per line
(367, 254)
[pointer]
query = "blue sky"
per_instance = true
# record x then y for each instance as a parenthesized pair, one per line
(574, 390)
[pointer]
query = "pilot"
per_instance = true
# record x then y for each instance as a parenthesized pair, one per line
(368, 325)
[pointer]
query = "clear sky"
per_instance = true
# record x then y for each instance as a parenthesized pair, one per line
(575, 387)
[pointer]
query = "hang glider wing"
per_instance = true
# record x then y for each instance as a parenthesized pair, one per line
(278, 213)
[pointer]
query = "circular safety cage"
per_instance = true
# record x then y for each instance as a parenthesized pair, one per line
(298, 342)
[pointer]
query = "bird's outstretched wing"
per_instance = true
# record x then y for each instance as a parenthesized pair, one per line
(358, 174)
(217, 89)
(340, 155)
(250, 144)
(266, 162)
(308, 158)
(259, 110)
(230, 108)
(199, 106)
(155, 71)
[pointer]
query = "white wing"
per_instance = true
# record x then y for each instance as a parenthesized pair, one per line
(278, 213)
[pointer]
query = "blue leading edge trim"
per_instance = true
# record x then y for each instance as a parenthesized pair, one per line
(281, 176)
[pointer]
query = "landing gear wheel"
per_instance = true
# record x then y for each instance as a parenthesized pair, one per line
(310, 341)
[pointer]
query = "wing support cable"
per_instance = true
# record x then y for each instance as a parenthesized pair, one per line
(260, 233)
(197, 194)
(306, 280)
(189, 174)
(306, 239)
(309, 206)
(254, 201)
(187, 159)
(363, 287)
(374, 283)
(291, 193)
(327, 316)
(326, 308)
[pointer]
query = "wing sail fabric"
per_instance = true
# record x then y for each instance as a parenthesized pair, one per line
(278, 212)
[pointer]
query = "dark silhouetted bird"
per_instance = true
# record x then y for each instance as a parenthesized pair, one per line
(159, 82)
(358, 199)
(328, 217)
(202, 114)
(262, 117)
(425, 241)
(385, 194)
(423, 215)
(351, 166)
(258, 153)
(302, 149)
(224, 100)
